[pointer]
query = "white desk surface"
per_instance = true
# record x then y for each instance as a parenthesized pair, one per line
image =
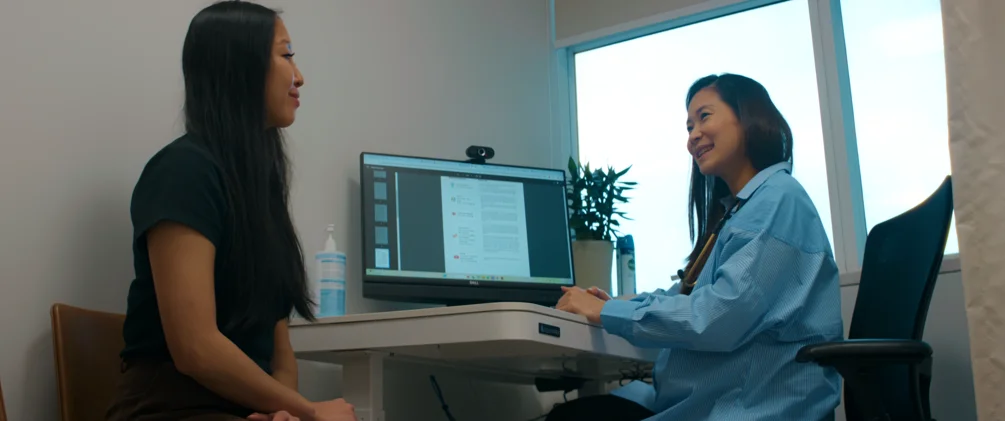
(494, 337)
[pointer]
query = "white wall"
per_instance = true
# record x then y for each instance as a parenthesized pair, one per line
(90, 90)
(952, 393)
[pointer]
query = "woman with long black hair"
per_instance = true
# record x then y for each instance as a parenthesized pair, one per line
(219, 266)
(760, 283)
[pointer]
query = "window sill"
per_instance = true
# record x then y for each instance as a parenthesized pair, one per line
(950, 264)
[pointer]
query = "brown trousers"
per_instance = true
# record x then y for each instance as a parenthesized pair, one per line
(157, 391)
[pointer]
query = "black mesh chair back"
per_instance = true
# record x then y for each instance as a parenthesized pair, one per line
(901, 264)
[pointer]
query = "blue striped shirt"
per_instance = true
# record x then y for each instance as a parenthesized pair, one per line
(769, 287)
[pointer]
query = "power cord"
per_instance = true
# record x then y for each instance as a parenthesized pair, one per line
(439, 395)
(565, 399)
(450, 417)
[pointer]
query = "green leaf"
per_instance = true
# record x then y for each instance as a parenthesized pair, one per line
(592, 196)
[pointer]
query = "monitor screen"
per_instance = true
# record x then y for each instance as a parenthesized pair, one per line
(431, 221)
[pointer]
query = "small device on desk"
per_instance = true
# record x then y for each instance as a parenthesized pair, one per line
(454, 232)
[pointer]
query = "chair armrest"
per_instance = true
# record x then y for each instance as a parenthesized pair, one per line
(863, 352)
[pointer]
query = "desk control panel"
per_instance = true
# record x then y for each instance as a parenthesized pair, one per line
(550, 330)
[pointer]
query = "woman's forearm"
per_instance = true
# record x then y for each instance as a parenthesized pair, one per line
(287, 377)
(182, 261)
(219, 365)
(284, 361)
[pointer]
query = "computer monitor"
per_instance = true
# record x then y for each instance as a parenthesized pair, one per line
(451, 232)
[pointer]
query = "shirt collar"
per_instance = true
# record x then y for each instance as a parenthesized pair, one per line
(756, 182)
(761, 177)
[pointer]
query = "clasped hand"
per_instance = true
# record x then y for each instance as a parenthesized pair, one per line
(333, 410)
(585, 302)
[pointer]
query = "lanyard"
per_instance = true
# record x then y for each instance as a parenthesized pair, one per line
(689, 279)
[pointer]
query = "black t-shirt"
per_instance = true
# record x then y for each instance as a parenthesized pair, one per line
(182, 183)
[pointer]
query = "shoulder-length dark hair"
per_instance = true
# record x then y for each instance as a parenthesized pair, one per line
(768, 141)
(225, 60)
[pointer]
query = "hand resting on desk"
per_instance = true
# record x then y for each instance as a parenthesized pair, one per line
(603, 295)
(585, 303)
(599, 293)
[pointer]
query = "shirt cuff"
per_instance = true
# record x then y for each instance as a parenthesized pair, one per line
(616, 316)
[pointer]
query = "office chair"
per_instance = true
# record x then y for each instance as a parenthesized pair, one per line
(886, 366)
(3, 410)
(86, 345)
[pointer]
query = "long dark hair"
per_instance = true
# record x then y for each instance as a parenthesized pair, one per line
(768, 141)
(225, 60)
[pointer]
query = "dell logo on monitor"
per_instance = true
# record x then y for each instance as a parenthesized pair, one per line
(475, 283)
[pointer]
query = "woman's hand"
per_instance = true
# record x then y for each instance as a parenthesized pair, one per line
(579, 301)
(334, 410)
(599, 293)
(278, 416)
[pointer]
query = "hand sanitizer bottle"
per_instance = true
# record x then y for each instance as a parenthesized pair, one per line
(626, 265)
(331, 278)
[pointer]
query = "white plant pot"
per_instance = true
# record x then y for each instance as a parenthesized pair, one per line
(593, 260)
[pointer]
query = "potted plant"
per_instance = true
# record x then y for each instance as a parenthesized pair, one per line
(593, 197)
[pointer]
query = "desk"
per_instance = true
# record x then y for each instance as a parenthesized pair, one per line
(508, 342)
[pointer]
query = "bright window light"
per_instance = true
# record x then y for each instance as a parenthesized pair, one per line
(898, 85)
(630, 110)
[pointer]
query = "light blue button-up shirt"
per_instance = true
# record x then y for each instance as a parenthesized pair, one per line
(769, 287)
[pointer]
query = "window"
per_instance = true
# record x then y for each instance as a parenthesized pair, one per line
(896, 67)
(630, 111)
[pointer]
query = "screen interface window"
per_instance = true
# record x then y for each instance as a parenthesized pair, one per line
(458, 221)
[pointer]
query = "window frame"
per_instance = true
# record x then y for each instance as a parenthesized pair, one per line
(836, 108)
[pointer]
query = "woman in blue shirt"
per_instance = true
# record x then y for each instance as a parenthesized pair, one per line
(760, 283)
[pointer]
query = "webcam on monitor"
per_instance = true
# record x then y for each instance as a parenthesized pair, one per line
(479, 154)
